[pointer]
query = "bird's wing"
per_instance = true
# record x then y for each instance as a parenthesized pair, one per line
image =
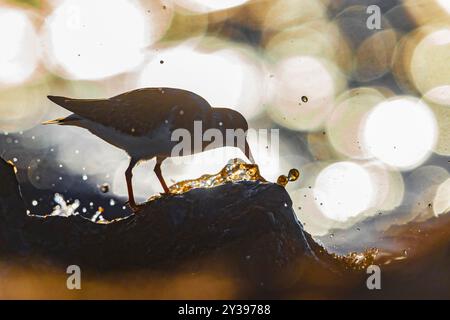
(141, 111)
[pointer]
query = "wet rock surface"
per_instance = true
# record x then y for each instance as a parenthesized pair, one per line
(248, 229)
(251, 223)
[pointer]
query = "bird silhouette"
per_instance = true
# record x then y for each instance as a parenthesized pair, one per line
(141, 122)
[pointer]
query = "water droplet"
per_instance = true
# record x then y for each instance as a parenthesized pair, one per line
(84, 210)
(15, 159)
(34, 203)
(60, 178)
(282, 180)
(85, 177)
(104, 188)
(293, 175)
(305, 99)
(112, 203)
(60, 165)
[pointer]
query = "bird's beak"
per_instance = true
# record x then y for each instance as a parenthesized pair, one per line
(55, 121)
(248, 152)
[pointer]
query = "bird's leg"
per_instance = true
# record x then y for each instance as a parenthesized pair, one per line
(158, 172)
(129, 177)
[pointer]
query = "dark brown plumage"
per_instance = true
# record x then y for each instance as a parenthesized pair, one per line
(142, 121)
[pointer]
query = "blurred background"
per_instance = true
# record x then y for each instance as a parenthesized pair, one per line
(359, 90)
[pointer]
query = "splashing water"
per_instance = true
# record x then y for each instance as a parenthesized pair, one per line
(236, 170)
(64, 209)
(293, 175)
(359, 260)
(98, 216)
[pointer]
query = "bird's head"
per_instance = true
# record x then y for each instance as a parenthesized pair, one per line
(233, 127)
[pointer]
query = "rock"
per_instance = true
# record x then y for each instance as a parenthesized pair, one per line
(248, 228)
(249, 225)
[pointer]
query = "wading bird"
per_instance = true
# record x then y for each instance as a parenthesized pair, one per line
(142, 121)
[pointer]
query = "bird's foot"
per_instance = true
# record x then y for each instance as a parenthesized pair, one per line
(164, 194)
(133, 206)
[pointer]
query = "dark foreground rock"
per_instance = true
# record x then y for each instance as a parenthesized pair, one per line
(245, 233)
(250, 226)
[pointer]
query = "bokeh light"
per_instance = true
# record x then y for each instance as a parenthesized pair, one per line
(401, 132)
(204, 6)
(280, 14)
(318, 38)
(374, 55)
(425, 12)
(234, 77)
(23, 107)
(19, 52)
(345, 126)
(442, 115)
(81, 44)
(383, 191)
(429, 66)
(343, 190)
(302, 104)
(423, 186)
(441, 201)
(389, 188)
(445, 5)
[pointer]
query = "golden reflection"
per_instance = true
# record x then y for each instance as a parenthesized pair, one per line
(359, 260)
(235, 171)
(13, 165)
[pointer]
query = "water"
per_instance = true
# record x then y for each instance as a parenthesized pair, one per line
(236, 170)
